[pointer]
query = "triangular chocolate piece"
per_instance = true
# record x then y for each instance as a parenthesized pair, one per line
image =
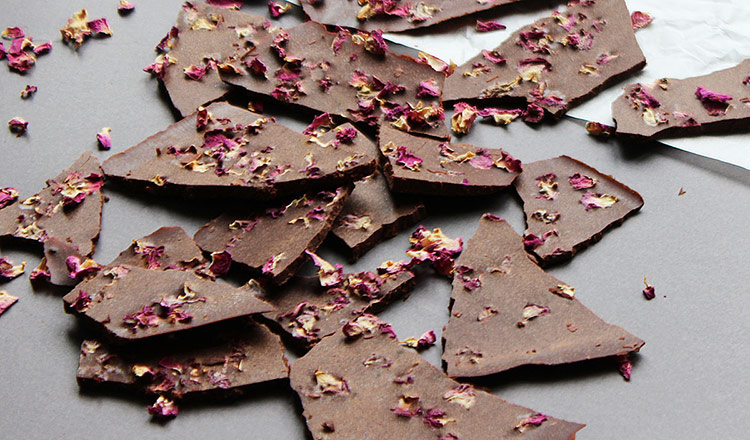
(368, 386)
(569, 205)
(229, 152)
(425, 166)
(69, 208)
(166, 248)
(555, 63)
(506, 312)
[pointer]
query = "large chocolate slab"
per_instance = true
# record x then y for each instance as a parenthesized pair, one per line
(557, 62)
(373, 214)
(676, 107)
(230, 356)
(273, 240)
(560, 219)
(405, 15)
(372, 388)
(69, 208)
(506, 312)
(336, 73)
(255, 159)
(133, 303)
(419, 165)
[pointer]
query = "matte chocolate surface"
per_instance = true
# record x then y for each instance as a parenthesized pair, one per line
(506, 312)
(273, 241)
(371, 387)
(352, 76)
(425, 166)
(69, 208)
(372, 214)
(405, 15)
(556, 62)
(55, 265)
(569, 205)
(717, 102)
(133, 303)
(239, 154)
(166, 248)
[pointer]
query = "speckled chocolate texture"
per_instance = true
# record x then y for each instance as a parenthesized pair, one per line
(373, 214)
(427, 166)
(133, 303)
(677, 110)
(239, 154)
(351, 389)
(419, 14)
(345, 75)
(273, 240)
(557, 62)
(54, 211)
(560, 219)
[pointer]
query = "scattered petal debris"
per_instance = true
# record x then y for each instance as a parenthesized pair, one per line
(488, 26)
(104, 139)
(125, 7)
(9, 270)
(625, 365)
(27, 92)
(649, 292)
(18, 126)
(640, 19)
(79, 28)
(6, 300)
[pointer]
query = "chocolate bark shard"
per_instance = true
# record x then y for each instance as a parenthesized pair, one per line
(402, 396)
(69, 208)
(206, 36)
(352, 76)
(557, 62)
(403, 15)
(372, 214)
(230, 152)
(232, 355)
(717, 102)
(425, 166)
(273, 241)
(165, 248)
(310, 312)
(569, 205)
(132, 303)
(508, 312)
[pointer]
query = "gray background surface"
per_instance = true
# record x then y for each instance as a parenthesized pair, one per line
(689, 381)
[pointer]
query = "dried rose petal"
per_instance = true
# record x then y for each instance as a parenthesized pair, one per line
(277, 10)
(649, 292)
(346, 135)
(488, 26)
(28, 91)
(220, 263)
(329, 274)
(436, 418)
(125, 7)
(463, 395)
(640, 19)
(716, 104)
(100, 26)
(195, 72)
(41, 49)
(578, 181)
(82, 301)
(493, 56)
(428, 88)
(367, 326)
(436, 247)
(592, 200)
(77, 29)
(321, 121)
(234, 4)
(375, 44)
(76, 187)
(464, 116)
(6, 300)
(533, 420)
(163, 407)
(407, 406)
(104, 139)
(436, 63)
(8, 195)
(8, 270)
(257, 66)
(407, 159)
(532, 311)
(533, 113)
(81, 269)
(329, 384)
(625, 366)
(426, 340)
(563, 290)
(18, 126)
(12, 33)
(501, 116)
(547, 186)
(599, 129)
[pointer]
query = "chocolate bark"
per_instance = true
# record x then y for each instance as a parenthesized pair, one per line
(569, 205)
(165, 248)
(69, 208)
(352, 76)
(230, 356)
(132, 303)
(370, 387)
(372, 214)
(273, 241)
(404, 15)
(506, 312)
(54, 263)
(424, 166)
(717, 102)
(238, 154)
(555, 63)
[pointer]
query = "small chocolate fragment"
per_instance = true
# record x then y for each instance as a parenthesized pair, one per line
(69, 208)
(56, 254)
(372, 214)
(717, 102)
(555, 63)
(165, 248)
(133, 303)
(369, 386)
(569, 205)
(420, 165)
(506, 312)
(353, 76)
(225, 151)
(273, 241)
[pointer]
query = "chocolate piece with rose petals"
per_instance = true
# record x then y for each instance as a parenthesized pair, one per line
(715, 103)
(228, 152)
(166, 248)
(402, 395)
(69, 208)
(507, 312)
(272, 240)
(555, 63)
(133, 303)
(420, 165)
(373, 214)
(569, 206)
